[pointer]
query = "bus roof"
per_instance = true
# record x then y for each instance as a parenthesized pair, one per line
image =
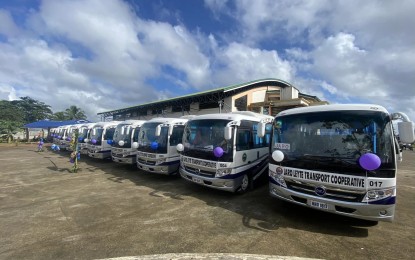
(107, 124)
(167, 120)
(133, 123)
(334, 107)
(234, 116)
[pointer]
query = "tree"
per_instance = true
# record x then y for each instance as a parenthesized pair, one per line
(10, 119)
(32, 109)
(75, 113)
(59, 116)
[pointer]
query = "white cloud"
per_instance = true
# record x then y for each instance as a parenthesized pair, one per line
(174, 46)
(102, 56)
(239, 63)
(7, 93)
(73, 56)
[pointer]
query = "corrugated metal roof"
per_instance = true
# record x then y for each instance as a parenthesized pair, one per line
(52, 124)
(218, 93)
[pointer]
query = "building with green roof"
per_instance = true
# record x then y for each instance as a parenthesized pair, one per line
(265, 96)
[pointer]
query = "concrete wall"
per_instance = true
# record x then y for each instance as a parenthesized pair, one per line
(289, 93)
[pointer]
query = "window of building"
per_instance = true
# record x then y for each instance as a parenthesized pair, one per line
(241, 103)
(274, 95)
(208, 105)
(180, 108)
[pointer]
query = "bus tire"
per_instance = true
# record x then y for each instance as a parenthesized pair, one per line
(245, 185)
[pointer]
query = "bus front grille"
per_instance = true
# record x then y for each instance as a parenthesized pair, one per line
(331, 193)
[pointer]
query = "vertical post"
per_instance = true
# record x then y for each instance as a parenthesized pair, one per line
(220, 102)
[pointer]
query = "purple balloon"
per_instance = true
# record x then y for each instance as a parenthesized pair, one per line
(369, 161)
(154, 145)
(218, 151)
(94, 141)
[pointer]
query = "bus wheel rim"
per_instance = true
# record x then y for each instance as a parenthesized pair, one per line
(245, 182)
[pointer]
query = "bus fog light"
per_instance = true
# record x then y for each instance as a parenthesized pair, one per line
(383, 212)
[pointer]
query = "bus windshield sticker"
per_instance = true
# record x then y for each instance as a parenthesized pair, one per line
(282, 146)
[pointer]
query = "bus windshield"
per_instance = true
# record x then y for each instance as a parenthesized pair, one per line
(96, 133)
(204, 136)
(83, 132)
(315, 139)
(149, 142)
(123, 133)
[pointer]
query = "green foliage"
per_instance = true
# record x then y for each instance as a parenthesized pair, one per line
(71, 113)
(59, 116)
(32, 109)
(10, 120)
(15, 114)
(75, 113)
(75, 148)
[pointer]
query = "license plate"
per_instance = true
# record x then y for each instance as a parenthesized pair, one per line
(319, 205)
(197, 180)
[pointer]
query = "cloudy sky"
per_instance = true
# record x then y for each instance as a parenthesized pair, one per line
(102, 55)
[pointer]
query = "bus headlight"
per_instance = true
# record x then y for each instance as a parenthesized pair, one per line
(374, 195)
(278, 177)
(160, 161)
(222, 172)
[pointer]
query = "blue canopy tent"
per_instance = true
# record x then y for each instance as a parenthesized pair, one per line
(47, 124)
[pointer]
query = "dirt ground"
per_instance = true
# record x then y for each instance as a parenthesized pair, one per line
(110, 210)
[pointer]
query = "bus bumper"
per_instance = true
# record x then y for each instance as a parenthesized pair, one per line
(125, 160)
(372, 212)
(100, 154)
(84, 151)
(230, 185)
(159, 169)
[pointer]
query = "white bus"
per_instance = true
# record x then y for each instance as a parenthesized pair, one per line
(98, 145)
(84, 137)
(157, 142)
(125, 142)
(223, 151)
(67, 141)
(337, 158)
(62, 136)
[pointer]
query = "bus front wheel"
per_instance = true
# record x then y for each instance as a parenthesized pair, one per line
(245, 184)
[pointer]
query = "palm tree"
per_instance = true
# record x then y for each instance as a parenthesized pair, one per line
(74, 113)
(8, 129)
(59, 116)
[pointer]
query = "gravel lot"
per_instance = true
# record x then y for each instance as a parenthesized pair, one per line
(110, 210)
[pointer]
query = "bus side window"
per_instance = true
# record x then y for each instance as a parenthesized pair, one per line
(243, 139)
(267, 137)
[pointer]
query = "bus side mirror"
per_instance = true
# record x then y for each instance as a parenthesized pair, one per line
(158, 130)
(261, 130)
(228, 133)
(406, 132)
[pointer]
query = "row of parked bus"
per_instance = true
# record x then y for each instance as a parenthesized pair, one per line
(337, 158)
